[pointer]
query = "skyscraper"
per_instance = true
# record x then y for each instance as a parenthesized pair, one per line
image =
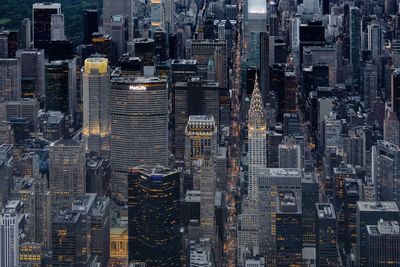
(289, 237)
(112, 8)
(119, 33)
(10, 79)
(383, 243)
(68, 246)
(96, 90)
(387, 172)
(66, 172)
(201, 138)
(60, 89)
(369, 213)
(326, 228)
(257, 135)
(395, 92)
(207, 196)
(57, 27)
(290, 155)
(192, 97)
(32, 72)
(355, 40)
(139, 127)
(154, 236)
(9, 234)
(90, 24)
(272, 181)
(375, 41)
(391, 128)
(41, 23)
(202, 50)
(25, 30)
(309, 196)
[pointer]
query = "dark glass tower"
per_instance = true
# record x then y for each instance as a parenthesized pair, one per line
(153, 201)
(56, 90)
(42, 23)
(90, 24)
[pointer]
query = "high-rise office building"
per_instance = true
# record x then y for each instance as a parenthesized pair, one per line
(154, 234)
(257, 135)
(53, 125)
(9, 43)
(160, 44)
(26, 37)
(67, 172)
(383, 243)
(68, 246)
(387, 171)
(207, 196)
(395, 92)
(10, 79)
(193, 97)
(182, 69)
(309, 196)
(139, 127)
(119, 33)
(32, 72)
(112, 8)
(391, 128)
(10, 218)
(200, 254)
(60, 89)
(369, 213)
(256, 17)
(24, 108)
(355, 40)
(375, 40)
(41, 23)
(105, 45)
(200, 138)
(290, 155)
(353, 191)
(96, 90)
(100, 229)
(155, 15)
(264, 64)
(289, 236)
(90, 24)
(42, 212)
(327, 239)
(202, 50)
(57, 27)
(271, 182)
(340, 173)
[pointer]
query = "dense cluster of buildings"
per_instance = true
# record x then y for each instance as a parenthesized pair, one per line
(202, 134)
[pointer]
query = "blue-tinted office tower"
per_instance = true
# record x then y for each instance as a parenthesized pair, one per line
(153, 210)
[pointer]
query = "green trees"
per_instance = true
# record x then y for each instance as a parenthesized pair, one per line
(12, 12)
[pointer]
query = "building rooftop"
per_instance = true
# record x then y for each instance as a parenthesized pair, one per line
(143, 40)
(325, 211)
(66, 142)
(70, 217)
(377, 206)
(288, 202)
(153, 171)
(384, 228)
(46, 5)
(388, 145)
(280, 172)
(84, 203)
(184, 62)
(54, 117)
(137, 80)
